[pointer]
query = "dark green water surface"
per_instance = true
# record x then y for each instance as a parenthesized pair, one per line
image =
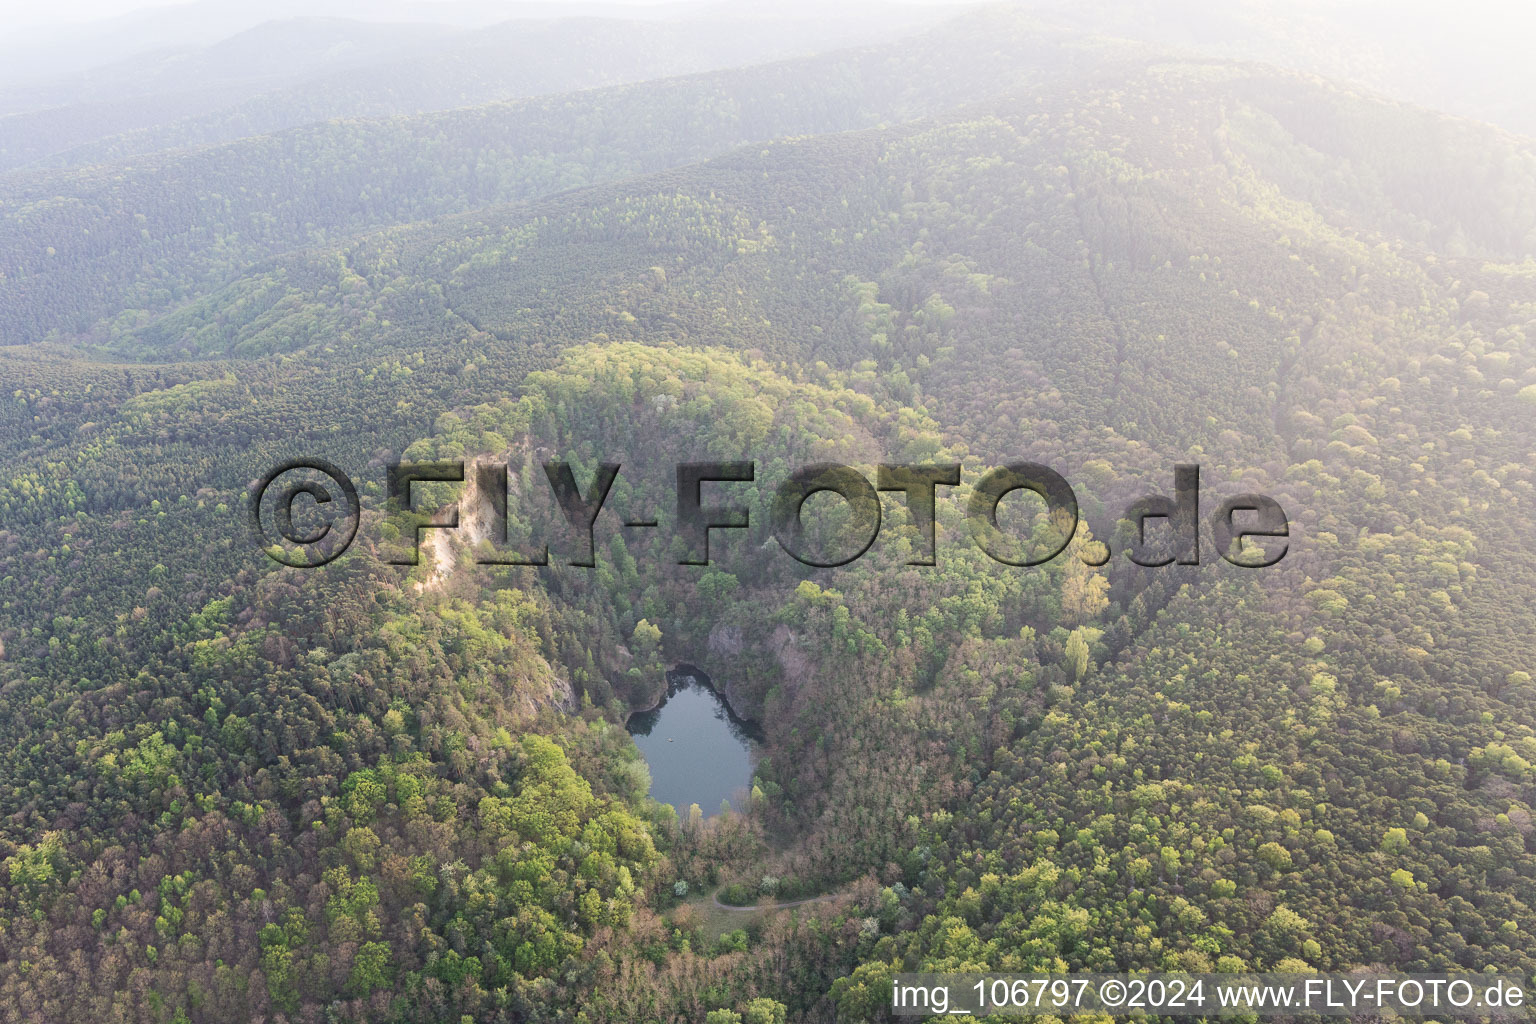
(697, 750)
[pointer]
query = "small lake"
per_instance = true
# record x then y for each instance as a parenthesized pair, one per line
(698, 751)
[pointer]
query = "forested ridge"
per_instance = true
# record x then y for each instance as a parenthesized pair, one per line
(283, 74)
(235, 790)
(119, 242)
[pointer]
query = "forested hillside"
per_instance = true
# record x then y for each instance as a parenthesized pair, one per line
(371, 792)
(119, 242)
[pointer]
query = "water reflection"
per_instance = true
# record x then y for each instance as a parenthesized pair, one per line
(698, 750)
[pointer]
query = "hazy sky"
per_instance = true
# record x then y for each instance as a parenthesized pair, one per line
(32, 14)
(35, 14)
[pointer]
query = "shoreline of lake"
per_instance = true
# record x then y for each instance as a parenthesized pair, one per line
(680, 675)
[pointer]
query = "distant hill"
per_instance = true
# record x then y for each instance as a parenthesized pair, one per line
(269, 55)
(1467, 58)
(42, 53)
(152, 231)
(288, 73)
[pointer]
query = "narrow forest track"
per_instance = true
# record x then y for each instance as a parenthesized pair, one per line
(775, 906)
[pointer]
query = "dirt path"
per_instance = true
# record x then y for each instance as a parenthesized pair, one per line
(775, 906)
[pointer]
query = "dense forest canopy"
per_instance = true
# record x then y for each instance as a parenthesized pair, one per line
(235, 790)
